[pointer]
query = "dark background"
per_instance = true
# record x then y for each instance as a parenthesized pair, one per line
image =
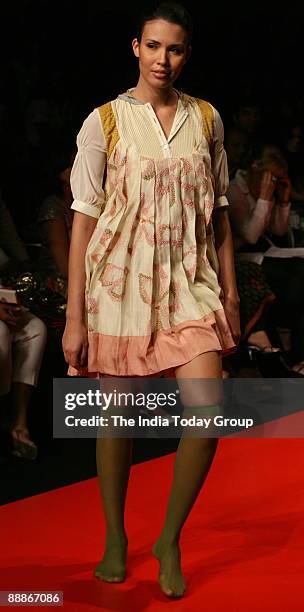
(58, 60)
(83, 51)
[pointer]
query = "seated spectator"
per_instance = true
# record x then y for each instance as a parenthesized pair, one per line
(236, 149)
(55, 222)
(259, 210)
(260, 201)
(256, 346)
(247, 119)
(247, 115)
(13, 253)
(22, 343)
(292, 146)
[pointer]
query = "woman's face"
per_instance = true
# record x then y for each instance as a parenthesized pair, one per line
(258, 170)
(162, 52)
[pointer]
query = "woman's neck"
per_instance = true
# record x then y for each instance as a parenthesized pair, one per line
(158, 98)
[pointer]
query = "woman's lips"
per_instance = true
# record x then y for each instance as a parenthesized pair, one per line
(160, 75)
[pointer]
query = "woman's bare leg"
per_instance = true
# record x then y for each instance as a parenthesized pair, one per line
(114, 459)
(193, 460)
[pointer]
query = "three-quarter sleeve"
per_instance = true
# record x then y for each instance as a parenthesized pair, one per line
(219, 163)
(89, 167)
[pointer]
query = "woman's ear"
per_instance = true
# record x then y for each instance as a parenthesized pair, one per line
(135, 47)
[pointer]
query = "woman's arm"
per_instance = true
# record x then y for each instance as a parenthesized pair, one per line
(280, 217)
(75, 340)
(89, 199)
(224, 248)
(248, 223)
(222, 231)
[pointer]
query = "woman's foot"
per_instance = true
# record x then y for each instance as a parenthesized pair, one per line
(171, 579)
(112, 567)
(22, 445)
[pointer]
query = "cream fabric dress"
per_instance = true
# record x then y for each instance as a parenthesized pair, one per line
(152, 291)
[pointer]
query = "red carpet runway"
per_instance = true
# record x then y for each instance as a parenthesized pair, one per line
(242, 545)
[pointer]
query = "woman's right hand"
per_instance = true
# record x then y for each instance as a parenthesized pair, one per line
(10, 314)
(267, 186)
(75, 344)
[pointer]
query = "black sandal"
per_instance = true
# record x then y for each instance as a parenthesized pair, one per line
(270, 362)
(23, 450)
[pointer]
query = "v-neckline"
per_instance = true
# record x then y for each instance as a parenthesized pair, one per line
(167, 138)
(175, 124)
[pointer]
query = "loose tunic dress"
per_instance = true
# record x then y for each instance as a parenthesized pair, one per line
(152, 293)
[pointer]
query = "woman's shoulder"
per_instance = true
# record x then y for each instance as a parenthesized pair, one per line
(196, 100)
(91, 132)
(208, 111)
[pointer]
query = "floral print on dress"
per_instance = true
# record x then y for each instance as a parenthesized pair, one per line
(190, 262)
(162, 295)
(143, 225)
(116, 181)
(114, 278)
(93, 307)
(150, 237)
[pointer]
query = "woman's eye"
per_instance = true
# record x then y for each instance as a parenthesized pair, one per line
(151, 46)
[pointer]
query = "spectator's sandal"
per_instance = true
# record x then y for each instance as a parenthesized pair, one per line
(298, 368)
(20, 448)
(271, 362)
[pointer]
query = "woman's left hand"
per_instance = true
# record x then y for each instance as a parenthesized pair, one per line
(283, 190)
(231, 308)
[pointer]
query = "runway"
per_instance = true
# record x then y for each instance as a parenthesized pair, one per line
(242, 545)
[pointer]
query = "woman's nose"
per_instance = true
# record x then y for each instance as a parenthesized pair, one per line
(163, 57)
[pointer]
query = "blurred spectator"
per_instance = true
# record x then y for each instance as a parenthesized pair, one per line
(260, 200)
(292, 146)
(33, 143)
(22, 343)
(55, 222)
(13, 253)
(247, 116)
(259, 211)
(236, 149)
(245, 128)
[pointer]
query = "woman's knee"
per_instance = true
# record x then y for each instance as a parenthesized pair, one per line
(36, 328)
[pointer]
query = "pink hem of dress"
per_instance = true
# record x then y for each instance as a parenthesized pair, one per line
(146, 355)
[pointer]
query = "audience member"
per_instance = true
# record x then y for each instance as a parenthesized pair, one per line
(236, 147)
(55, 222)
(292, 147)
(259, 210)
(22, 343)
(12, 250)
(247, 118)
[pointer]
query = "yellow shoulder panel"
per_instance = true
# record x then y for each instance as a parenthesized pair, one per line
(208, 119)
(109, 126)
